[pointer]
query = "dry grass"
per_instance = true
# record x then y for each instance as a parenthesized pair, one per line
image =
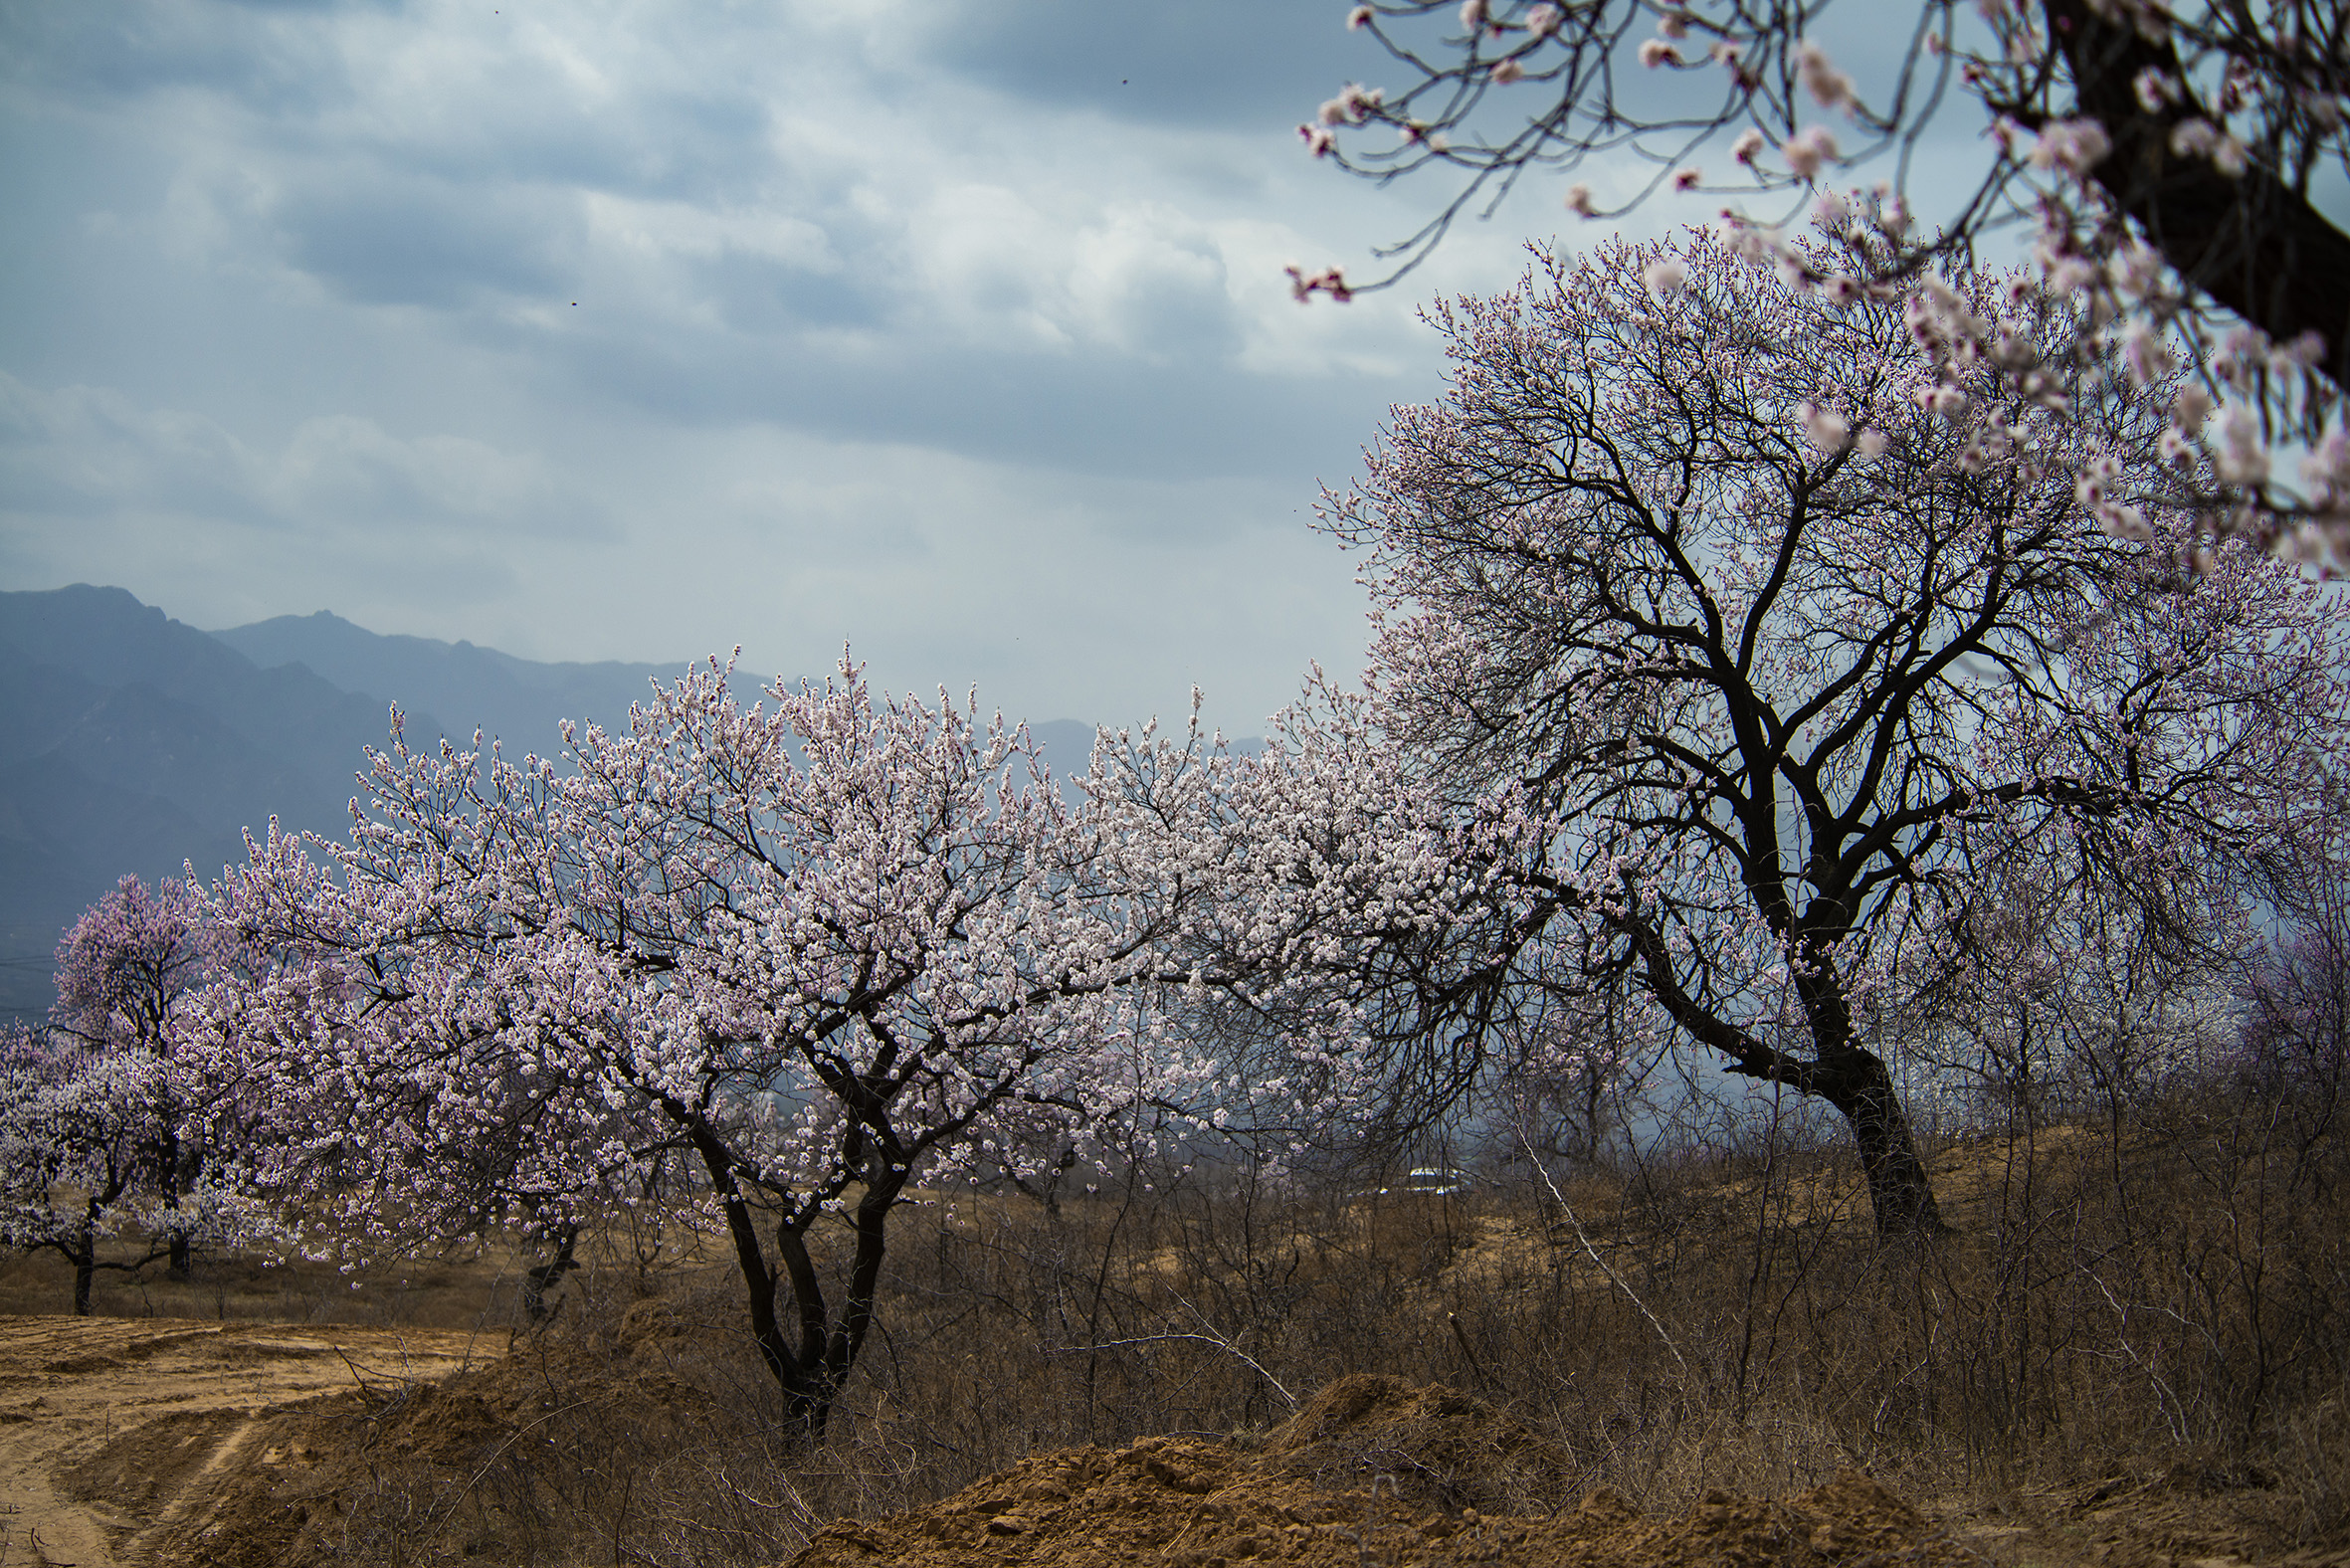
(2168, 1308)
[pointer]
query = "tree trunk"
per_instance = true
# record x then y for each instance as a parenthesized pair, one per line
(1854, 1080)
(1901, 1195)
(1843, 1072)
(811, 1376)
(538, 1280)
(810, 1390)
(181, 1166)
(808, 1387)
(865, 1277)
(85, 1271)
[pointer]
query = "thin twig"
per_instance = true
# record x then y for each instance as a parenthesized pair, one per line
(1613, 1278)
(364, 1386)
(1218, 1340)
(1474, 1365)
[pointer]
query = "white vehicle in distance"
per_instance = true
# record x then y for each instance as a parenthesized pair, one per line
(1432, 1181)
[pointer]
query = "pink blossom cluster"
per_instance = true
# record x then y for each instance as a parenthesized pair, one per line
(125, 965)
(2154, 149)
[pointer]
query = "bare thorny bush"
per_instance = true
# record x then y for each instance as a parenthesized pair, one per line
(2165, 1295)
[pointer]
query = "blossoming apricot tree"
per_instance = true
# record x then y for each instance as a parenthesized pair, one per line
(127, 972)
(92, 1107)
(792, 958)
(79, 1128)
(1791, 641)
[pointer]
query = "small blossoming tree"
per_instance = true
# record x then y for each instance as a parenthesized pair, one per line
(126, 974)
(791, 960)
(79, 1128)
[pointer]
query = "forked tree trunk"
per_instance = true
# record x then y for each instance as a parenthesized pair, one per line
(812, 1373)
(829, 1350)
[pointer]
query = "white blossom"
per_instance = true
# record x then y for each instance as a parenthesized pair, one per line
(1828, 86)
(2242, 458)
(1824, 430)
(2146, 353)
(2194, 138)
(2157, 88)
(1806, 150)
(2073, 145)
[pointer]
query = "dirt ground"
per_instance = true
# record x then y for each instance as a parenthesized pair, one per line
(1371, 1470)
(111, 1428)
(1376, 1470)
(173, 1443)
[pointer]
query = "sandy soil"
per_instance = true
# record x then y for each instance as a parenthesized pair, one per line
(111, 1427)
(1432, 1456)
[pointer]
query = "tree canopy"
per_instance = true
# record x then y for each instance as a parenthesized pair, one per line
(1793, 661)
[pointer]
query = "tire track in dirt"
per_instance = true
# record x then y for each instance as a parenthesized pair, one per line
(223, 1459)
(110, 1427)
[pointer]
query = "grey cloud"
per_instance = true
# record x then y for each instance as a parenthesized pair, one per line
(134, 50)
(461, 188)
(764, 297)
(312, 79)
(896, 330)
(84, 451)
(396, 239)
(1086, 413)
(1244, 61)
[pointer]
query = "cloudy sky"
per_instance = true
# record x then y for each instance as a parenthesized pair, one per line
(954, 329)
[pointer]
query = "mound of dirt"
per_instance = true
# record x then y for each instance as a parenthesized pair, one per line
(1436, 1443)
(310, 1476)
(1208, 1506)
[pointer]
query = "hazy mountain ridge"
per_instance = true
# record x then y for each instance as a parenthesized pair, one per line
(130, 742)
(519, 701)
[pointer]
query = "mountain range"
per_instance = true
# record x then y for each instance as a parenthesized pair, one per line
(133, 743)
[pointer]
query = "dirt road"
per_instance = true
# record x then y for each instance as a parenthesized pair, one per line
(110, 1427)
